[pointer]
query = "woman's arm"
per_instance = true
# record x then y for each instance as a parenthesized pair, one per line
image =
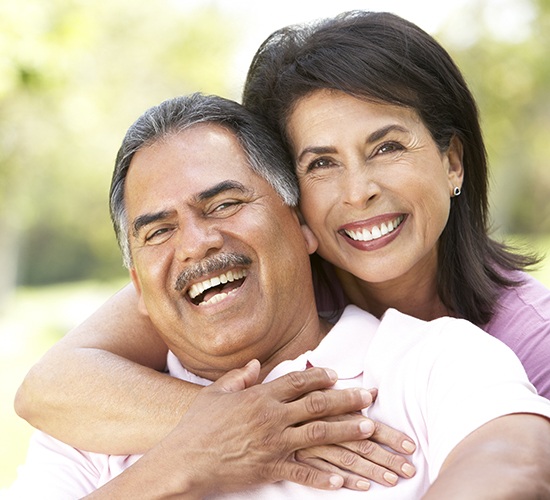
(99, 387)
(507, 458)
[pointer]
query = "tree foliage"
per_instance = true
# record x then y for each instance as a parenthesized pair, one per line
(508, 68)
(73, 76)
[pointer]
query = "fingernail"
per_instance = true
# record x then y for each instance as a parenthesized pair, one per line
(366, 426)
(362, 485)
(366, 397)
(336, 482)
(408, 446)
(332, 374)
(390, 477)
(408, 470)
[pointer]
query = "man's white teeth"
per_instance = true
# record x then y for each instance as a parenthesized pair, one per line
(198, 288)
(217, 298)
(375, 232)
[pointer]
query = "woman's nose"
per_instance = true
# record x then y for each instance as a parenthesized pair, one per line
(359, 187)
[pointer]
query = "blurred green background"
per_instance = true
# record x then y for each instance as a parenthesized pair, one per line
(75, 74)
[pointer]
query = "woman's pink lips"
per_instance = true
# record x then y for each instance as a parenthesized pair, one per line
(375, 221)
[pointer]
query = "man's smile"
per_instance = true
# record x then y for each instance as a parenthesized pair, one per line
(213, 290)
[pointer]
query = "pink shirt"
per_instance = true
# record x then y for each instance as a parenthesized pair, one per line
(522, 322)
(424, 391)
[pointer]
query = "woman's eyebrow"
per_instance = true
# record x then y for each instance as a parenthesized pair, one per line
(373, 137)
(382, 132)
(316, 150)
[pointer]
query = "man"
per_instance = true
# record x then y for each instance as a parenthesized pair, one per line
(203, 210)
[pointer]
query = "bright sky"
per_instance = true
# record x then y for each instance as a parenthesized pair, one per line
(264, 17)
(505, 18)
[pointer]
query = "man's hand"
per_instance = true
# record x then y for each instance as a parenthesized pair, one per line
(358, 462)
(237, 434)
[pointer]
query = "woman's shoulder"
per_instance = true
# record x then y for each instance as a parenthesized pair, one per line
(522, 321)
(529, 301)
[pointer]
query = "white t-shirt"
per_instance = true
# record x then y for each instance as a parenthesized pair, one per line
(438, 381)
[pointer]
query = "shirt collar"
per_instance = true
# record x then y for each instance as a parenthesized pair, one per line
(345, 346)
(343, 349)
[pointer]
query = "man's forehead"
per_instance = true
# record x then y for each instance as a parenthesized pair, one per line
(190, 163)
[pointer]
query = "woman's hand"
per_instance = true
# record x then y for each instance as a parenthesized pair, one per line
(360, 462)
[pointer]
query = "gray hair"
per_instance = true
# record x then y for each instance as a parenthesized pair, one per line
(262, 147)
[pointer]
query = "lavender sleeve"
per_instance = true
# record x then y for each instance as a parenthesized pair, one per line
(522, 321)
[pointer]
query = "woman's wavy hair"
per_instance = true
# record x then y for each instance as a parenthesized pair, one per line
(382, 57)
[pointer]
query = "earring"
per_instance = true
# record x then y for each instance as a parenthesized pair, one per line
(457, 191)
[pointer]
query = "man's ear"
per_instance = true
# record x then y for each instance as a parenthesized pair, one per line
(455, 165)
(137, 285)
(311, 240)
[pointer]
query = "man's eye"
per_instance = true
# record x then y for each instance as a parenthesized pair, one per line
(157, 235)
(226, 205)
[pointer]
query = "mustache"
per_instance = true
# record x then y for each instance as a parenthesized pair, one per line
(210, 265)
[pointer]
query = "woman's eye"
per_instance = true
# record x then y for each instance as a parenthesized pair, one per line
(319, 163)
(389, 147)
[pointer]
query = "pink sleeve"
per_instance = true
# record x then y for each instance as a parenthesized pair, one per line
(54, 470)
(523, 323)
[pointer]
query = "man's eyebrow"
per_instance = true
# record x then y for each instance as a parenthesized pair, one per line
(221, 187)
(375, 136)
(144, 220)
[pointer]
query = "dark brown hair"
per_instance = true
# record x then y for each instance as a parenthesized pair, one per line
(381, 57)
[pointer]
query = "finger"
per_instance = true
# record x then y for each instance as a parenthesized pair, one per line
(307, 475)
(396, 440)
(373, 461)
(295, 384)
(383, 434)
(320, 432)
(351, 481)
(329, 403)
(239, 378)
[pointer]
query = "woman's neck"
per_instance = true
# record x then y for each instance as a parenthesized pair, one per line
(414, 296)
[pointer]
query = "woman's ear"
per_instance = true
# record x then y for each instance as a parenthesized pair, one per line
(311, 240)
(137, 285)
(455, 165)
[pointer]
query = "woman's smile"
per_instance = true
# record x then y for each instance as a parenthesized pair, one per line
(365, 231)
(375, 188)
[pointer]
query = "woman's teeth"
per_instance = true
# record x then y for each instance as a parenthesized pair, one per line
(376, 231)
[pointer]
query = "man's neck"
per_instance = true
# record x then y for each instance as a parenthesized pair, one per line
(304, 334)
(306, 339)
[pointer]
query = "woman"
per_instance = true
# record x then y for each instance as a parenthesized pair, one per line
(392, 167)
(362, 101)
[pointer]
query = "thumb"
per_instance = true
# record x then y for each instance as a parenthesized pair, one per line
(239, 378)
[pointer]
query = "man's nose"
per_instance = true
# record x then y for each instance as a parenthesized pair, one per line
(198, 239)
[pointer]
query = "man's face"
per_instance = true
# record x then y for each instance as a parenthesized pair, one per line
(221, 264)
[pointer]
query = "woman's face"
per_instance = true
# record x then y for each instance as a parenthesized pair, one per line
(375, 189)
